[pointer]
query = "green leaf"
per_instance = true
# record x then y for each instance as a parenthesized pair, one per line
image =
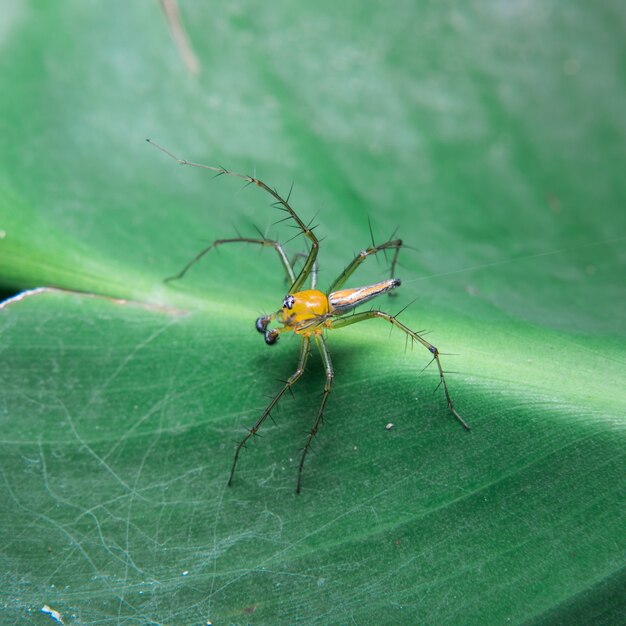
(491, 136)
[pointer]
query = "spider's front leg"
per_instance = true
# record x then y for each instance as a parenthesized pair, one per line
(361, 317)
(281, 203)
(304, 354)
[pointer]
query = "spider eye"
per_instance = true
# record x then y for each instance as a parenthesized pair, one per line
(288, 302)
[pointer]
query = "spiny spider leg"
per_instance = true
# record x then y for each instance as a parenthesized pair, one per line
(305, 349)
(306, 231)
(359, 258)
(366, 315)
(303, 255)
(287, 265)
(328, 366)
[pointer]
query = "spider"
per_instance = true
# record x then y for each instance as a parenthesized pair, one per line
(310, 313)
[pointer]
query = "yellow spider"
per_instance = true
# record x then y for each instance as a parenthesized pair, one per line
(310, 312)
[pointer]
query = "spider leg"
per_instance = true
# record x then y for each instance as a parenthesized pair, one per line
(328, 366)
(300, 279)
(302, 255)
(304, 353)
(296, 256)
(366, 315)
(393, 244)
(270, 243)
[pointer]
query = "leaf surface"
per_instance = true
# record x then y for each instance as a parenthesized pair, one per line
(490, 136)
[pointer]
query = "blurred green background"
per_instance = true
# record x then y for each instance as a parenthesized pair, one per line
(491, 135)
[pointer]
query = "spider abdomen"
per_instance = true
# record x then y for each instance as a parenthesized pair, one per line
(345, 299)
